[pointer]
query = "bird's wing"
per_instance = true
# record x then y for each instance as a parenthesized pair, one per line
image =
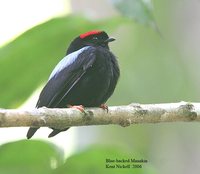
(65, 75)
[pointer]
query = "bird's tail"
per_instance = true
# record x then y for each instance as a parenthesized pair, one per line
(56, 131)
(31, 132)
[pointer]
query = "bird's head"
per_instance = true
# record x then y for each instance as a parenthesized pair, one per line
(92, 38)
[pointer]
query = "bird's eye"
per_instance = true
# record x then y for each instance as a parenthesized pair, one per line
(94, 38)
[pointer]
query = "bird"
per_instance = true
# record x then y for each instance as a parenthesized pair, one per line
(85, 77)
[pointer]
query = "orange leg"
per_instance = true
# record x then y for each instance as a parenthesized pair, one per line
(104, 107)
(79, 107)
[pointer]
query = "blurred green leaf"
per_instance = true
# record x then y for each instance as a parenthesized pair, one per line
(32, 157)
(27, 61)
(93, 160)
(138, 10)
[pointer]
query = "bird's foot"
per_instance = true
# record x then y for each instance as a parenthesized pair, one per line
(104, 107)
(79, 107)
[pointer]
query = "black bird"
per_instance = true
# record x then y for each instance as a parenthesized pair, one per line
(86, 76)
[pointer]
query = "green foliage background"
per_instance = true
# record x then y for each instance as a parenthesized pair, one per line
(152, 70)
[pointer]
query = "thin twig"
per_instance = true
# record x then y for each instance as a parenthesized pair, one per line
(120, 115)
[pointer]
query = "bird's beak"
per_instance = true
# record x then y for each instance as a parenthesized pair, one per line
(110, 39)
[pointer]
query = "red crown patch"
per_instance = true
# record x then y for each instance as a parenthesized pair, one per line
(89, 33)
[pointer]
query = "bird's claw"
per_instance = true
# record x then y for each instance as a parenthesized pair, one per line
(79, 107)
(104, 107)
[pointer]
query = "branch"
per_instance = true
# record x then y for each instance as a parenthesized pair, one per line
(121, 115)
